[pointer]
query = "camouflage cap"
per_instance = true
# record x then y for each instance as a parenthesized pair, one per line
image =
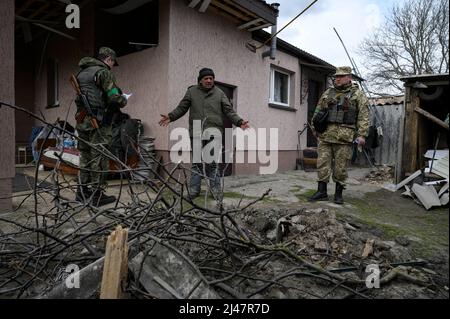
(343, 70)
(109, 52)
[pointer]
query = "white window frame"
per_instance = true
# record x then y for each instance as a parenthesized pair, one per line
(272, 87)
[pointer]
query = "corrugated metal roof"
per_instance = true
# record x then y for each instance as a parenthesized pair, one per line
(387, 100)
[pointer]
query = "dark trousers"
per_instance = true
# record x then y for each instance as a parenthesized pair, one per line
(211, 170)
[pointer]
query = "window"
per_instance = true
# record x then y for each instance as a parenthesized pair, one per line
(52, 83)
(279, 87)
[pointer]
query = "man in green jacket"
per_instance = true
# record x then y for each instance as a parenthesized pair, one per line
(208, 104)
(348, 122)
(99, 85)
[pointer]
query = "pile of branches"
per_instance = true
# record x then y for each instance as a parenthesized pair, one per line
(37, 244)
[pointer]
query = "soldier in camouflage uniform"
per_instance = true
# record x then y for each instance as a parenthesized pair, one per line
(348, 122)
(208, 104)
(99, 85)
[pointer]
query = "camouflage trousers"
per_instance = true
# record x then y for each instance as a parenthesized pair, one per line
(94, 166)
(333, 158)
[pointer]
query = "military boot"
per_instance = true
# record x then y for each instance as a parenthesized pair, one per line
(321, 193)
(101, 199)
(338, 194)
(83, 193)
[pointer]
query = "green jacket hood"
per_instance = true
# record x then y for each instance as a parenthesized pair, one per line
(89, 61)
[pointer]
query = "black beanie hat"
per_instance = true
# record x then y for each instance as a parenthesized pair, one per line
(205, 72)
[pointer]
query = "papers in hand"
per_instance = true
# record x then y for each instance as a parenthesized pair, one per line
(127, 96)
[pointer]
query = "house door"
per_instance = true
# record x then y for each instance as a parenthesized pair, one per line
(226, 168)
(313, 99)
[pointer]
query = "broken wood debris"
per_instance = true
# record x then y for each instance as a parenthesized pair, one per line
(433, 193)
(174, 236)
(115, 264)
(368, 248)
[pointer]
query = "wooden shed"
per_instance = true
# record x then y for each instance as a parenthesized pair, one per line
(426, 109)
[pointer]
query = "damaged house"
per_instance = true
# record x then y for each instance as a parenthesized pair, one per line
(161, 47)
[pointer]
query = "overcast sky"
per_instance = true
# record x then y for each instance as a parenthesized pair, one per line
(313, 31)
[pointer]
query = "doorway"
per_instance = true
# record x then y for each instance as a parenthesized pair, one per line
(314, 89)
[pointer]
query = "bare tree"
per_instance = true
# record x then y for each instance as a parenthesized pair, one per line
(413, 40)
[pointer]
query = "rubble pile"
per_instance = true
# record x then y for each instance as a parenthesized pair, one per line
(428, 187)
(177, 248)
(380, 175)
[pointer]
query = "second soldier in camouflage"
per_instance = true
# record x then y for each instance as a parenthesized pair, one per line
(348, 121)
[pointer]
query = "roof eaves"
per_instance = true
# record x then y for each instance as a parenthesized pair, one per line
(286, 47)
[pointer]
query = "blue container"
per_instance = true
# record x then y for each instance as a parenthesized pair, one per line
(69, 143)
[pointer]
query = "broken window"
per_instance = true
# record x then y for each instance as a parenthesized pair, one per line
(279, 87)
(52, 83)
(124, 30)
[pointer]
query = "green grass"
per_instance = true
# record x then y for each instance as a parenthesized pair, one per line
(303, 196)
(234, 195)
(431, 228)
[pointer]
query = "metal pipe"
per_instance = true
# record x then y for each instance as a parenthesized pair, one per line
(273, 45)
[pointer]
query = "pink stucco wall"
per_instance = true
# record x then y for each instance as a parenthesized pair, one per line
(200, 40)
(7, 137)
(145, 74)
(158, 77)
(67, 52)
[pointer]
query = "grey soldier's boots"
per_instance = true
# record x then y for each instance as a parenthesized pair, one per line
(321, 193)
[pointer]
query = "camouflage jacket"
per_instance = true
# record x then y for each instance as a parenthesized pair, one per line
(106, 81)
(209, 106)
(341, 133)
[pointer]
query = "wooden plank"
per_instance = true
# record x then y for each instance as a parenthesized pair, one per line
(204, 5)
(260, 27)
(409, 158)
(427, 195)
(409, 179)
(431, 117)
(230, 10)
(193, 3)
(250, 23)
(116, 264)
(242, 9)
(224, 14)
(441, 168)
